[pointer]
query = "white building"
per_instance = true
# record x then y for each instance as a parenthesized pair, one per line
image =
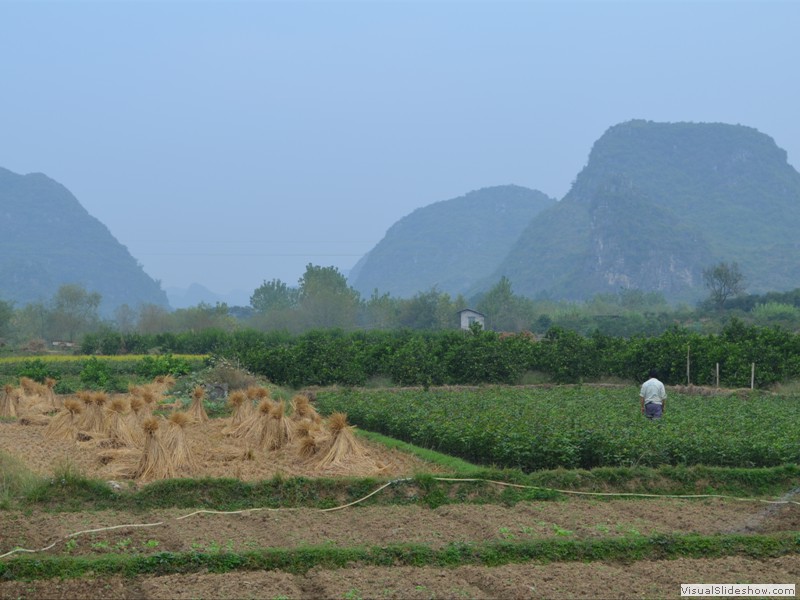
(469, 316)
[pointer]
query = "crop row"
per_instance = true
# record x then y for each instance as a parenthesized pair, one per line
(479, 357)
(579, 426)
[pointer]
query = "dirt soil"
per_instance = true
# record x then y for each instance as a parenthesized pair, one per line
(577, 517)
(645, 579)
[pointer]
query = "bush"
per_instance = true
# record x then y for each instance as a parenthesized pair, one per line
(151, 367)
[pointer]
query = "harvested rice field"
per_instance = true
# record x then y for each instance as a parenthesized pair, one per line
(116, 438)
(391, 541)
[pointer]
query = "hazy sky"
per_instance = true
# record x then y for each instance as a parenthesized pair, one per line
(231, 143)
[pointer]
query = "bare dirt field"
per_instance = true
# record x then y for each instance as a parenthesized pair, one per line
(644, 579)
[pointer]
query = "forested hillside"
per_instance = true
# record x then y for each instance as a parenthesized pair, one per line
(449, 245)
(48, 239)
(656, 204)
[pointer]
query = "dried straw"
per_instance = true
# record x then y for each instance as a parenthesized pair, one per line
(197, 411)
(175, 443)
(31, 387)
(280, 430)
(64, 425)
(93, 419)
(240, 410)
(8, 401)
(250, 430)
(302, 409)
(344, 450)
(120, 430)
(49, 384)
(308, 447)
(155, 462)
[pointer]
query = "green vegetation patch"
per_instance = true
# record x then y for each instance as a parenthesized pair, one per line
(575, 427)
(301, 560)
(110, 373)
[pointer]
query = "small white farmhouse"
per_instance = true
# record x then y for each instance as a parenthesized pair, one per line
(469, 316)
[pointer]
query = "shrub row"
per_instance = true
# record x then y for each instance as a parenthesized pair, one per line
(456, 357)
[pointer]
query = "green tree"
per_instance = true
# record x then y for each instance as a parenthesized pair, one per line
(203, 316)
(723, 281)
(505, 311)
(153, 319)
(74, 312)
(381, 311)
(430, 310)
(125, 318)
(30, 322)
(6, 314)
(273, 295)
(325, 300)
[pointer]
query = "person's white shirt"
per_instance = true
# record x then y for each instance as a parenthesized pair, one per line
(653, 391)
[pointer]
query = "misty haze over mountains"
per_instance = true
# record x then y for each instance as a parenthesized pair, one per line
(655, 205)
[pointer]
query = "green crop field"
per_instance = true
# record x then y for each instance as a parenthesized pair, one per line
(579, 426)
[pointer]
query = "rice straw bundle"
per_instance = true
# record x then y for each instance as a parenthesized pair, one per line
(197, 411)
(8, 401)
(302, 409)
(136, 414)
(90, 415)
(93, 418)
(251, 427)
(155, 462)
(49, 384)
(165, 381)
(118, 427)
(176, 445)
(344, 450)
(280, 430)
(256, 393)
(309, 446)
(307, 427)
(150, 399)
(239, 404)
(254, 431)
(32, 398)
(31, 387)
(64, 425)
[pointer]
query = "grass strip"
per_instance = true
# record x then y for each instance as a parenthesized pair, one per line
(300, 560)
(451, 463)
(68, 491)
(77, 494)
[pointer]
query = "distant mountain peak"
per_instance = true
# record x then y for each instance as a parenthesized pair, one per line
(655, 205)
(449, 244)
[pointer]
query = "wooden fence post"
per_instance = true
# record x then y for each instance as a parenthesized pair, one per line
(752, 375)
(688, 379)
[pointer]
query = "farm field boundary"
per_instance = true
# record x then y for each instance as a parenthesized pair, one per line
(488, 554)
(67, 491)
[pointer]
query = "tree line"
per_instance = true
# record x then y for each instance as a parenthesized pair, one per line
(428, 358)
(323, 299)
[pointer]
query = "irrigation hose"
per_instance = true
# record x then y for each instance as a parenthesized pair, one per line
(623, 494)
(394, 481)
